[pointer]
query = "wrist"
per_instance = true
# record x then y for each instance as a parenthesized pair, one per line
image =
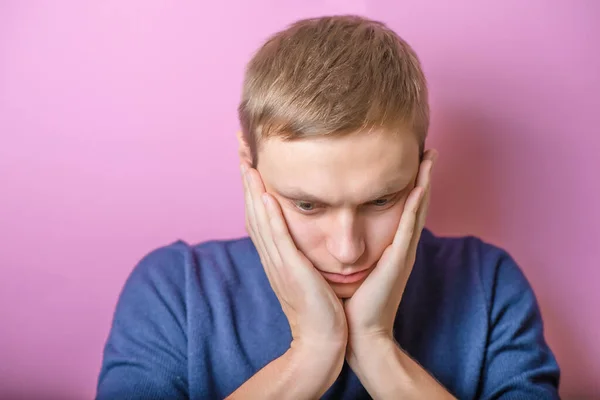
(372, 358)
(316, 365)
(304, 371)
(387, 372)
(371, 345)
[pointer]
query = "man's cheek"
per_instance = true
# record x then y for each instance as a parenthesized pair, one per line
(383, 227)
(301, 230)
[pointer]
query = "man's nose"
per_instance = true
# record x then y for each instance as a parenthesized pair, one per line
(346, 240)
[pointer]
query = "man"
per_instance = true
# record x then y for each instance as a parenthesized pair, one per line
(339, 292)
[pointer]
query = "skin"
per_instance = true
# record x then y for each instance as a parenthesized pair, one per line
(339, 205)
(359, 182)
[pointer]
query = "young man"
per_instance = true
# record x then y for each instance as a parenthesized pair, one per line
(339, 293)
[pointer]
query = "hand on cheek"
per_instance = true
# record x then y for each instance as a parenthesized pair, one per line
(312, 308)
(371, 311)
(315, 314)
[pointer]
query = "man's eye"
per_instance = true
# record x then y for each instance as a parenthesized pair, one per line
(380, 202)
(305, 205)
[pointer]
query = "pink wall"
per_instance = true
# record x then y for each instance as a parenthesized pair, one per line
(117, 122)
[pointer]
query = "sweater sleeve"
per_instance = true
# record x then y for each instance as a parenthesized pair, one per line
(519, 363)
(145, 356)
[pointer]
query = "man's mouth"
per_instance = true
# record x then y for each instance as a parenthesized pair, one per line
(346, 278)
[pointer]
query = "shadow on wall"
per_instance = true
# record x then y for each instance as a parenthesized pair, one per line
(458, 205)
(475, 191)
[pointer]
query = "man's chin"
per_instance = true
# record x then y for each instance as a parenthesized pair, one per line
(344, 290)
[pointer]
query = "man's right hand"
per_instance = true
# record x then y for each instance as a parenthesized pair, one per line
(315, 314)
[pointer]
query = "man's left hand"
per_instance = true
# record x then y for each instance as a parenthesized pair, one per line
(383, 368)
(371, 311)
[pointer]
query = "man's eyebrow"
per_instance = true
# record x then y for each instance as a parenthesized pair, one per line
(299, 194)
(390, 189)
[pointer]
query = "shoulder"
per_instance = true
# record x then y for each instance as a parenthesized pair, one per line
(163, 264)
(169, 277)
(485, 280)
(170, 280)
(467, 250)
(147, 345)
(175, 263)
(469, 254)
(471, 263)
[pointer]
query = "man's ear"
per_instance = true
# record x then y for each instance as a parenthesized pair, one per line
(244, 151)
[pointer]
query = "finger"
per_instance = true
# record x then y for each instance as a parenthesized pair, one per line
(407, 225)
(424, 182)
(249, 202)
(257, 190)
(424, 208)
(279, 230)
(425, 166)
(292, 273)
(265, 256)
(251, 221)
(425, 174)
(402, 239)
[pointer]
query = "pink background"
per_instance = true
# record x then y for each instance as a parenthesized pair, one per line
(117, 121)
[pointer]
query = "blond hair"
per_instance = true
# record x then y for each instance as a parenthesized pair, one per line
(333, 76)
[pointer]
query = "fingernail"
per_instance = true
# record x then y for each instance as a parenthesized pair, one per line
(265, 199)
(434, 160)
(243, 169)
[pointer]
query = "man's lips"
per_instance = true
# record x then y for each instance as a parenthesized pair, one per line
(349, 278)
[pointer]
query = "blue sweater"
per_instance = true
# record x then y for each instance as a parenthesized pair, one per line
(197, 322)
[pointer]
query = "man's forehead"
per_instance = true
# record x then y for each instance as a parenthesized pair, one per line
(338, 171)
(397, 150)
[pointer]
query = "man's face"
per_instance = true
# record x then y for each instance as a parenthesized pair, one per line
(342, 197)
